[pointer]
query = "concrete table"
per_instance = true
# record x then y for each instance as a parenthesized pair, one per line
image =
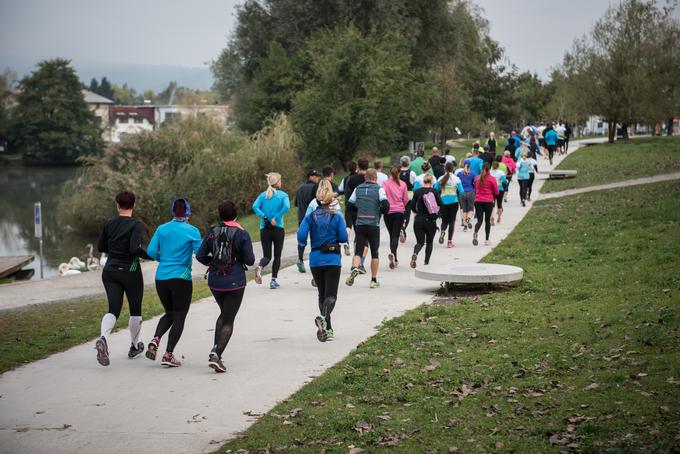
(560, 173)
(470, 273)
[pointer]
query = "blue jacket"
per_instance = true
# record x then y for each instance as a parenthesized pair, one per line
(449, 193)
(274, 208)
(523, 166)
(468, 181)
(242, 252)
(551, 137)
(322, 226)
(172, 246)
(476, 165)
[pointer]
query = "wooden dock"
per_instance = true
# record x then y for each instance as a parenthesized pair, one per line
(11, 265)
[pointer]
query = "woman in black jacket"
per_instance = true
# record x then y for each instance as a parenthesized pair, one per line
(424, 223)
(227, 250)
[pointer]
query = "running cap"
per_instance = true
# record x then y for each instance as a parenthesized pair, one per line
(466, 162)
(314, 173)
(187, 211)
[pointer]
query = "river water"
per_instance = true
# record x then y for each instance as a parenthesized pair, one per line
(20, 188)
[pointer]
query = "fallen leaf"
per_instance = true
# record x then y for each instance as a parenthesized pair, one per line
(591, 387)
(673, 381)
(355, 450)
(349, 406)
(429, 367)
(362, 426)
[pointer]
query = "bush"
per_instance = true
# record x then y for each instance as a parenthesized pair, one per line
(195, 158)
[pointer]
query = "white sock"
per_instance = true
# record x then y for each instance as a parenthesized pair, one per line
(135, 327)
(108, 322)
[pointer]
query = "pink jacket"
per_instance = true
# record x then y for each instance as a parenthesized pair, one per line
(487, 191)
(397, 195)
(508, 161)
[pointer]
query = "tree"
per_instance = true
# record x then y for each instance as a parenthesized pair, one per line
(105, 89)
(94, 86)
(51, 122)
(360, 90)
(7, 81)
(122, 94)
(449, 103)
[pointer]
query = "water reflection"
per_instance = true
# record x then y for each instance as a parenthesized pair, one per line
(20, 188)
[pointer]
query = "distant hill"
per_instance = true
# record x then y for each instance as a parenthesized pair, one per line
(140, 77)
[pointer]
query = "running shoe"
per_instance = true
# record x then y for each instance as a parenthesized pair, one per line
(321, 332)
(352, 275)
(258, 274)
(301, 266)
(465, 228)
(469, 223)
(170, 360)
(487, 243)
(441, 237)
(390, 257)
(402, 236)
(414, 257)
(374, 284)
(492, 221)
(273, 285)
(346, 249)
(361, 269)
(523, 203)
(136, 351)
(330, 335)
(450, 245)
(102, 351)
(313, 283)
(474, 239)
(152, 349)
(499, 220)
(215, 363)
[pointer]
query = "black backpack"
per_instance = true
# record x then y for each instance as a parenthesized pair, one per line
(223, 248)
(405, 176)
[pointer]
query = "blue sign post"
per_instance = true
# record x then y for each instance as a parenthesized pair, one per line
(37, 221)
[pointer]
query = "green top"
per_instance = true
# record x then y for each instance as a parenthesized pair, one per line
(416, 165)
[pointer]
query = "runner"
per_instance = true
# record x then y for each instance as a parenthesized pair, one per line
(502, 182)
(121, 239)
(567, 136)
(560, 130)
(368, 201)
(416, 164)
(523, 175)
(397, 196)
(382, 177)
(172, 246)
(486, 191)
(436, 163)
(491, 143)
(227, 250)
(449, 157)
(551, 139)
(426, 169)
(467, 199)
(326, 229)
(512, 166)
(352, 167)
(303, 196)
(533, 168)
(409, 178)
(350, 216)
(426, 206)
(449, 186)
(328, 173)
(476, 162)
(271, 206)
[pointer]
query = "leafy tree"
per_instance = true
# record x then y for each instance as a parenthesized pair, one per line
(449, 103)
(7, 81)
(51, 122)
(359, 91)
(122, 94)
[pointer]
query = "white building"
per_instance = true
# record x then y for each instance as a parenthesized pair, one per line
(128, 120)
(100, 106)
(176, 112)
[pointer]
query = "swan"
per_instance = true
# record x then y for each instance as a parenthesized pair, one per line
(76, 264)
(102, 260)
(92, 262)
(65, 270)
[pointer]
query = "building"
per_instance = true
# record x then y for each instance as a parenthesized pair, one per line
(100, 106)
(127, 120)
(177, 112)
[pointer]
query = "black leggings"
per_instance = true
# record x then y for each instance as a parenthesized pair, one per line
(483, 212)
(532, 176)
(407, 214)
(523, 189)
(272, 236)
(394, 223)
(116, 282)
(229, 304)
(425, 231)
(327, 279)
(448, 213)
(367, 234)
(175, 296)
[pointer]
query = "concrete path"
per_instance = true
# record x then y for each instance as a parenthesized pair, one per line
(67, 403)
(89, 284)
(617, 184)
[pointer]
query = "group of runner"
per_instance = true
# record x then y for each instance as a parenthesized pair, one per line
(433, 191)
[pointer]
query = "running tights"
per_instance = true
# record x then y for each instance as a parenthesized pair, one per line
(407, 215)
(175, 296)
(532, 176)
(118, 282)
(272, 236)
(483, 211)
(448, 213)
(394, 223)
(523, 189)
(327, 279)
(229, 304)
(425, 231)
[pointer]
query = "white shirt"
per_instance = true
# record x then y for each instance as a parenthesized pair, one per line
(382, 178)
(449, 158)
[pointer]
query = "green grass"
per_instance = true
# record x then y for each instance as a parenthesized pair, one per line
(606, 163)
(32, 333)
(583, 355)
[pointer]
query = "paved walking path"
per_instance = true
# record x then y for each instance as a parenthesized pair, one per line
(617, 184)
(68, 403)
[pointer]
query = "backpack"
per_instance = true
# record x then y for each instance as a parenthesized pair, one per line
(430, 202)
(405, 176)
(223, 248)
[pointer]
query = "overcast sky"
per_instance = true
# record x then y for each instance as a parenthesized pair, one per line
(535, 33)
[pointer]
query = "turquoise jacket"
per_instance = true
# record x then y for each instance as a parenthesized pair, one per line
(274, 208)
(172, 246)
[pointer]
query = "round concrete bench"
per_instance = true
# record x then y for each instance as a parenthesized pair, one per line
(470, 273)
(560, 173)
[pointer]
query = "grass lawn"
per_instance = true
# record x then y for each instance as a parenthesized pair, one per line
(583, 355)
(606, 163)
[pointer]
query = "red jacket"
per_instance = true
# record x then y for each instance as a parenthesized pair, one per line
(508, 161)
(487, 191)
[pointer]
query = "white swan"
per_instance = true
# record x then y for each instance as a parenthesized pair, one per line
(65, 270)
(102, 260)
(76, 264)
(92, 262)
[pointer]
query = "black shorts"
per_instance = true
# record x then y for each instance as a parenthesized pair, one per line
(499, 200)
(560, 142)
(541, 142)
(367, 234)
(349, 218)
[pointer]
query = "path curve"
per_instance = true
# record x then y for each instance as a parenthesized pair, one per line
(617, 184)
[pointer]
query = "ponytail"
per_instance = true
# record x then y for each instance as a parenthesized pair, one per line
(484, 174)
(272, 180)
(447, 175)
(394, 173)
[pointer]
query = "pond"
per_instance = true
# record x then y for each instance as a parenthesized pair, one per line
(20, 188)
